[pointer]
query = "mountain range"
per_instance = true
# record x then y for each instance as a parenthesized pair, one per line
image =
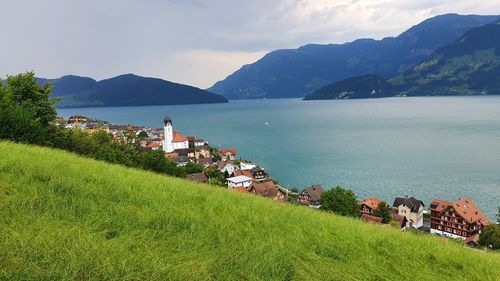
(300, 72)
(125, 90)
(469, 66)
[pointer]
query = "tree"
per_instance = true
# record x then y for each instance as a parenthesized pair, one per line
(142, 135)
(490, 237)
(340, 201)
(383, 211)
(498, 215)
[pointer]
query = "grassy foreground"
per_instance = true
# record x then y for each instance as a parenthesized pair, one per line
(67, 217)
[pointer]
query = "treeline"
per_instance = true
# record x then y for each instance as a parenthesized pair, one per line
(27, 115)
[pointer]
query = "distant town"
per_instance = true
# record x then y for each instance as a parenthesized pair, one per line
(460, 220)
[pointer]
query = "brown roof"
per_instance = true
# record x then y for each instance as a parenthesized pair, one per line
(465, 208)
(198, 177)
(371, 202)
(370, 218)
(241, 189)
(472, 240)
(265, 188)
(225, 151)
(247, 173)
(178, 137)
(314, 192)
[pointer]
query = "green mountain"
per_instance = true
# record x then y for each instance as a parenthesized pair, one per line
(470, 66)
(362, 87)
(65, 217)
(126, 90)
(299, 72)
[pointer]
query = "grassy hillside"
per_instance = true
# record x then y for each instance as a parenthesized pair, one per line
(66, 217)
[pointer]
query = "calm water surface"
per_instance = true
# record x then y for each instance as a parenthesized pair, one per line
(439, 147)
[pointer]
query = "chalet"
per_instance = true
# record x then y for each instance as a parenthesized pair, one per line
(311, 195)
(197, 177)
(367, 206)
(187, 152)
(239, 181)
(258, 173)
(202, 152)
(461, 219)
(228, 166)
(401, 220)
(267, 189)
(412, 209)
(228, 154)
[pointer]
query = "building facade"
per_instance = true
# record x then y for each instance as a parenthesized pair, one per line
(172, 140)
(412, 209)
(461, 219)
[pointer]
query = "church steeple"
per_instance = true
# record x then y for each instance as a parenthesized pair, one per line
(168, 134)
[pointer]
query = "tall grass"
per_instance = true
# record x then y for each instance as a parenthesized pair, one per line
(63, 217)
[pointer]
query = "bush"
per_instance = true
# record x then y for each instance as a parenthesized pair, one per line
(490, 237)
(340, 201)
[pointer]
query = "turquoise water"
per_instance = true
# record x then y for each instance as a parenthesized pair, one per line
(435, 147)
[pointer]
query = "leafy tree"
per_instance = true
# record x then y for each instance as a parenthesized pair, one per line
(142, 135)
(154, 160)
(24, 90)
(193, 168)
(19, 124)
(490, 237)
(498, 215)
(340, 201)
(383, 211)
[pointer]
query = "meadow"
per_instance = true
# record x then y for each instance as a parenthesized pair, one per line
(65, 217)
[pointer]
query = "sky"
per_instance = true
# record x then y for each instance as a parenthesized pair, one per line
(194, 42)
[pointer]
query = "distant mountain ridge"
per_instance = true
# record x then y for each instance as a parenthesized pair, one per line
(299, 72)
(469, 66)
(126, 90)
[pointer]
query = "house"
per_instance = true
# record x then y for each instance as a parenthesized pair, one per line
(367, 206)
(258, 173)
(228, 166)
(172, 140)
(181, 160)
(202, 152)
(205, 162)
(199, 142)
(240, 189)
(239, 181)
(187, 152)
(267, 189)
(228, 154)
(311, 195)
(247, 173)
(154, 146)
(412, 209)
(461, 219)
(197, 177)
(247, 166)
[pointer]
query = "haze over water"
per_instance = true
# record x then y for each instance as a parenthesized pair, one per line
(432, 147)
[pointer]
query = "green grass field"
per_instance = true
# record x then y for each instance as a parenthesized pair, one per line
(63, 217)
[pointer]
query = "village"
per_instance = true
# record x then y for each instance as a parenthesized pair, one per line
(461, 220)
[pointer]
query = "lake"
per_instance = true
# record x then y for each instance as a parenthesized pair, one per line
(427, 147)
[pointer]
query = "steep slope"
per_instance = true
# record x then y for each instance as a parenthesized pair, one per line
(65, 217)
(361, 87)
(126, 90)
(299, 72)
(470, 66)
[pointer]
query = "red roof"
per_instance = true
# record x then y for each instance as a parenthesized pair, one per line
(241, 189)
(371, 202)
(243, 173)
(154, 144)
(225, 151)
(464, 208)
(178, 137)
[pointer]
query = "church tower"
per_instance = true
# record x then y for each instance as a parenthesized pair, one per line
(168, 135)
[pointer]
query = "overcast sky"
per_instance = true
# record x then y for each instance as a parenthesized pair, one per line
(194, 42)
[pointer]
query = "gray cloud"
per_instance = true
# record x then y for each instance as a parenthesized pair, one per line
(192, 41)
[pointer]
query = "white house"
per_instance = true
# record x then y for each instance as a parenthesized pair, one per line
(238, 181)
(247, 166)
(227, 166)
(412, 209)
(172, 140)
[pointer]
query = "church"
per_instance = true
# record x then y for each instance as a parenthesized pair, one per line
(172, 140)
